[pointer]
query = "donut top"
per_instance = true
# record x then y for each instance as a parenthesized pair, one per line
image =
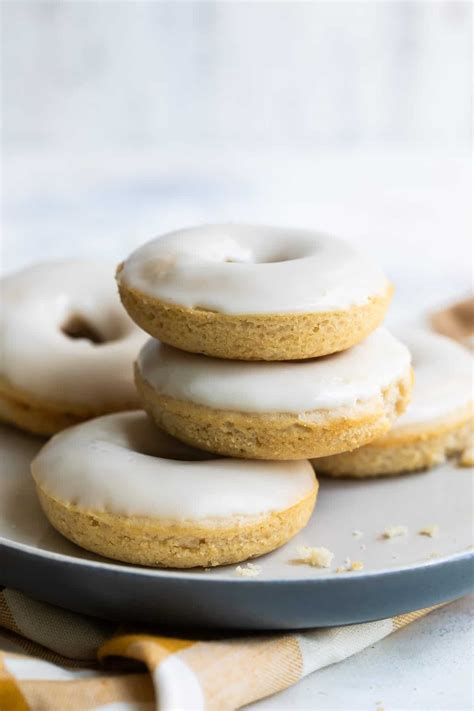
(342, 379)
(240, 269)
(443, 378)
(122, 464)
(65, 337)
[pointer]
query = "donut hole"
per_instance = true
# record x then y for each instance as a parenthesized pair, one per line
(275, 260)
(271, 255)
(141, 435)
(170, 448)
(107, 327)
(278, 258)
(77, 327)
(177, 453)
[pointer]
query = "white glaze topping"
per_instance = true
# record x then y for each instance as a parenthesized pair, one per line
(243, 269)
(122, 464)
(443, 378)
(38, 358)
(342, 379)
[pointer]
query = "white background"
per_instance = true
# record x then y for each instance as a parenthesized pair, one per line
(84, 75)
(121, 120)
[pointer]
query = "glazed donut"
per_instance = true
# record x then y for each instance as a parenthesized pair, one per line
(276, 410)
(119, 487)
(253, 293)
(437, 423)
(67, 346)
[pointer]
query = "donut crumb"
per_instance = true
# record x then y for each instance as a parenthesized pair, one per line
(350, 566)
(251, 570)
(431, 531)
(394, 532)
(318, 557)
(357, 533)
(467, 457)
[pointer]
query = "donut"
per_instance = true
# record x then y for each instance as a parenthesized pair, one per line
(437, 423)
(119, 487)
(259, 410)
(253, 293)
(67, 346)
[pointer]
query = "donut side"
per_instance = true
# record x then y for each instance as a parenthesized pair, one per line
(177, 544)
(276, 435)
(285, 336)
(398, 452)
(44, 417)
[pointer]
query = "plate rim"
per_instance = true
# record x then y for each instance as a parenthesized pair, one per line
(179, 574)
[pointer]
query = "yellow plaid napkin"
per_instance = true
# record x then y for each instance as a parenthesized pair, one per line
(54, 659)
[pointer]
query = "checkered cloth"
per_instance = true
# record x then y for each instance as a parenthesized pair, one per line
(52, 659)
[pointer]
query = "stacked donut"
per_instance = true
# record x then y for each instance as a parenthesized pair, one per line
(243, 321)
(266, 351)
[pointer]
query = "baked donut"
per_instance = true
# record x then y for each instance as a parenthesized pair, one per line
(437, 423)
(253, 293)
(291, 410)
(67, 346)
(119, 487)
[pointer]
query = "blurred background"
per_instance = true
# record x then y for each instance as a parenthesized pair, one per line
(122, 120)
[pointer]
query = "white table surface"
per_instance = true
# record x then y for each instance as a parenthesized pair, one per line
(411, 210)
(426, 666)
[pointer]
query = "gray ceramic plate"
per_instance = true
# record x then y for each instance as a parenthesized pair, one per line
(401, 574)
